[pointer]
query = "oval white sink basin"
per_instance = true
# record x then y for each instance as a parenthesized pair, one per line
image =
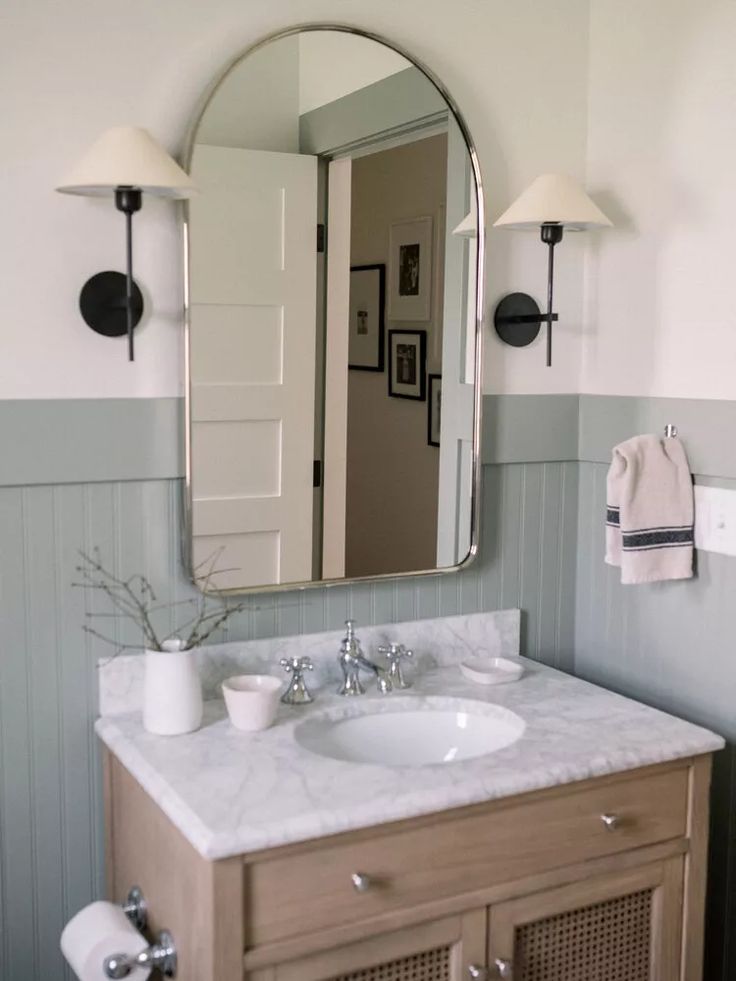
(410, 731)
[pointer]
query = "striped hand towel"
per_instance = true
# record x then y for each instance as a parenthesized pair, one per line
(649, 520)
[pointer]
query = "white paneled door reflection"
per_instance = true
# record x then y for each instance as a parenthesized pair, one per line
(253, 293)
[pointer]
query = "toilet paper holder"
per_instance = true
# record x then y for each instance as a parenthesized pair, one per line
(161, 954)
(136, 909)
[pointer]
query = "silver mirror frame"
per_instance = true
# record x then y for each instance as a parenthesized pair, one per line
(186, 531)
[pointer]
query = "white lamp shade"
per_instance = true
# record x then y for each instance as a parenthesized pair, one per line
(557, 199)
(128, 156)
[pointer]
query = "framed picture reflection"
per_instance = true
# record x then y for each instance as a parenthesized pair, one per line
(434, 409)
(367, 304)
(407, 364)
(410, 279)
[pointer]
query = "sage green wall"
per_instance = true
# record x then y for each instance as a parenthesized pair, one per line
(391, 105)
(50, 800)
(670, 645)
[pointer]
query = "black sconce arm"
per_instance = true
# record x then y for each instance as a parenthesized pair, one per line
(518, 318)
(128, 200)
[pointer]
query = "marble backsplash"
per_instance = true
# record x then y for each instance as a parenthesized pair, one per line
(440, 642)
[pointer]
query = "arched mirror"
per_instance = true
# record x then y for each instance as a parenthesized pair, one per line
(333, 318)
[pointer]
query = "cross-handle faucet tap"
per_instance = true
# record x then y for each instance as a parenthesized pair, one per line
(296, 692)
(395, 653)
(352, 659)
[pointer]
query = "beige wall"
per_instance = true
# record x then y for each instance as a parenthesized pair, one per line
(391, 471)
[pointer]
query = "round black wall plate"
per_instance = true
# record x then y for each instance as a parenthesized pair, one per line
(512, 306)
(102, 304)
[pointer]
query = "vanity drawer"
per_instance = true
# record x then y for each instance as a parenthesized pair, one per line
(312, 889)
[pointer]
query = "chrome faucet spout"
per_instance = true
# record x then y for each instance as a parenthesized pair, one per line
(352, 660)
(382, 677)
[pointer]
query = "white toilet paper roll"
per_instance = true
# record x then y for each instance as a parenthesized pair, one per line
(96, 932)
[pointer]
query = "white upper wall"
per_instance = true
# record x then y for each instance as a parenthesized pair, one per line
(535, 122)
(662, 155)
(333, 64)
(66, 76)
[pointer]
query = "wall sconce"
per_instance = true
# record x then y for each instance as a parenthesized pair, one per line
(552, 203)
(126, 161)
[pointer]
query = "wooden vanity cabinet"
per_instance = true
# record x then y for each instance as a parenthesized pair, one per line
(612, 927)
(616, 926)
(438, 950)
(535, 888)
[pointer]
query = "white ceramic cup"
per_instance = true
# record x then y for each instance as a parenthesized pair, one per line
(251, 700)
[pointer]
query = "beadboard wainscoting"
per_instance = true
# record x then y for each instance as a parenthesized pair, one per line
(670, 645)
(541, 550)
(51, 850)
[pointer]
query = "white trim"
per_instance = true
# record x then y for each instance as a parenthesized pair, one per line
(401, 136)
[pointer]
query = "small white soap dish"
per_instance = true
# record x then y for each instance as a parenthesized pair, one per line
(492, 670)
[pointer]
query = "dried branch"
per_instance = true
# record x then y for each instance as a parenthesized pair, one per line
(134, 599)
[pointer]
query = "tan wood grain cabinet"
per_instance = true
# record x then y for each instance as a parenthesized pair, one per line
(602, 879)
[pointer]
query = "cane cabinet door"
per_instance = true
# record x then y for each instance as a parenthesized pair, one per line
(620, 927)
(449, 949)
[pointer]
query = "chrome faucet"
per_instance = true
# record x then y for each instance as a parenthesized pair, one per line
(352, 660)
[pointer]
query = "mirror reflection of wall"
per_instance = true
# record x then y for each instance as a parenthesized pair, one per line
(302, 468)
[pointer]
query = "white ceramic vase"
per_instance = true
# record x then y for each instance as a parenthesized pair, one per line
(172, 691)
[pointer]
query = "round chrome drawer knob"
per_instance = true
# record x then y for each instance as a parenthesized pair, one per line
(478, 973)
(360, 881)
(505, 968)
(610, 821)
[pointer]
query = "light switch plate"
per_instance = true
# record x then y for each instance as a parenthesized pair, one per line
(715, 519)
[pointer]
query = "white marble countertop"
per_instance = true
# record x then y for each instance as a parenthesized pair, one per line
(231, 792)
